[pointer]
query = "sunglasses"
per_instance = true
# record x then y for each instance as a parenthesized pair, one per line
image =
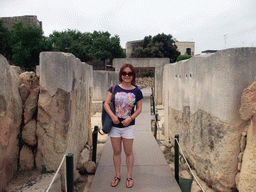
(129, 74)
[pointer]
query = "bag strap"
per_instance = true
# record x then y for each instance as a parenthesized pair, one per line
(113, 88)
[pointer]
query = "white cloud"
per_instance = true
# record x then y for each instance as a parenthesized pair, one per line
(203, 21)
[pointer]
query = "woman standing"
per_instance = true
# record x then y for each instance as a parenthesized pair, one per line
(126, 96)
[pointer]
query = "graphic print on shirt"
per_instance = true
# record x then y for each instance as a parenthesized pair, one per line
(124, 102)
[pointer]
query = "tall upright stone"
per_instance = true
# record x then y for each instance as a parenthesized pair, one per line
(63, 108)
(10, 120)
(247, 179)
(202, 99)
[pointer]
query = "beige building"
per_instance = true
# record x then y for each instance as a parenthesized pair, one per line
(184, 47)
(26, 19)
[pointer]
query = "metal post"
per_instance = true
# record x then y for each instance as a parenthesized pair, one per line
(176, 162)
(94, 143)
(155, 131)
(70, 172)
(154, 109)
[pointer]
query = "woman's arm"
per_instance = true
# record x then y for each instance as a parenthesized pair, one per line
(108, 110)
(138, 109)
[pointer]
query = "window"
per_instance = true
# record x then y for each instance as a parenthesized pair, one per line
(188, 51)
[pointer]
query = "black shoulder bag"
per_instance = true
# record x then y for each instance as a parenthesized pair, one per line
(105, 118)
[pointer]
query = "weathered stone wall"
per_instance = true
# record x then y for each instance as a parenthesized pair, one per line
(157, 63)
(29, 91)
(10, 120)
(145, 82)
(246, 178)
(102, 81)
(202, 100)
(63, 119)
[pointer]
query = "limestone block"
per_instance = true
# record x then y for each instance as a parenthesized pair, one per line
(163, 149)
(30, 79)
(10, 120)
(102, 138)
(173, 151)
(29, 133)
(24, 92)
(248, 170)
(144, 82)
(85, 155)
(195, 187)
(96, 107)
(26, 158)
(171, 165)
(30, 105)
(248, 104)
(63, 108)
(17, 69)
(185, 175)
(90, 166)
(88, 183)
(207, 135)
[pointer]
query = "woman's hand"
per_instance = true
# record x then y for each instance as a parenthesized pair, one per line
(127, 121)
(115, 120)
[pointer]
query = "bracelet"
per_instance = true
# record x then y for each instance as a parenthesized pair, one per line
(131, 117)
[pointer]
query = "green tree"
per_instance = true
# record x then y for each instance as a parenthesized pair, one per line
(159, 46)
(87, 46)
(183, 57)
(105, 47)
(27, 42)
(5, 35)
(71, 41)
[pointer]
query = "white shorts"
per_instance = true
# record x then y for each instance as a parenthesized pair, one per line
(127, 132)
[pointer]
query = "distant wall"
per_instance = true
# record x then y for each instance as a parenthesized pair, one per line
(202, 99)
(103, 80)
(157, 63)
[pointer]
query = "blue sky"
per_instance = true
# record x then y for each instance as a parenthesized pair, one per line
(211, 24)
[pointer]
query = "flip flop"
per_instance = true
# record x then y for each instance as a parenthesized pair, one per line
(129, 179)
(116, 179)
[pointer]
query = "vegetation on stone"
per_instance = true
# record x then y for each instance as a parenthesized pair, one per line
(183, 57)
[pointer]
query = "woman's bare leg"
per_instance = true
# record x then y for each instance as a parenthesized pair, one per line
(128, 149)
(117, 148)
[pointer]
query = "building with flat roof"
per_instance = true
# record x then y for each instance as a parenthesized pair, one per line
(26, 19)
(184, 47)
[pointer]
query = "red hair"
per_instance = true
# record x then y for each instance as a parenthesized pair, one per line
(133, 72)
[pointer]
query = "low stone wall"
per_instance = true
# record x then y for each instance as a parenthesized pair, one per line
(102, 81)
(202, 99)
(145, 82)
(10, 121)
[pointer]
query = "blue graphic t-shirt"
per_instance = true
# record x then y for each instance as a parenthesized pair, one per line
(125, 101)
